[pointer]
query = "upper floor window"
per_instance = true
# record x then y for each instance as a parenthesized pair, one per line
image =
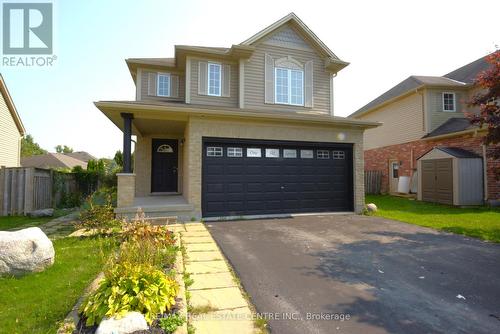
(289, 86)
(448, 101)
(163, 84)
(214, 79)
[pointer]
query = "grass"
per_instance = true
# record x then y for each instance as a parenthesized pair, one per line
(10, 222)
(480, 222)
(37, 303)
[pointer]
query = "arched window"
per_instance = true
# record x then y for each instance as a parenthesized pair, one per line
(289, 81)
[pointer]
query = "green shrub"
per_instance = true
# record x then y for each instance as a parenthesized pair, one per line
(145, 252)
(98, 217)
(127, 288)
(171, 322)
(142, 231)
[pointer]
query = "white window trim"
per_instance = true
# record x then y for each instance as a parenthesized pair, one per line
(289, 70)
(220, 78)
(158, 84)
(454, 101)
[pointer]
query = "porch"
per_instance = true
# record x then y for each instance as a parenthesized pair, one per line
(158, 206)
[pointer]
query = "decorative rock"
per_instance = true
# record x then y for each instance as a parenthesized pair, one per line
(371, 207)
(41, 213)
(129, 323)
(24, 251)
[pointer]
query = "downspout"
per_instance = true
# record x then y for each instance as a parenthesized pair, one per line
(332, 76)
(485, 173)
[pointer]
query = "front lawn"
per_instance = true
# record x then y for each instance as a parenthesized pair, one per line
(483, 223)
(36, 303)
(10, 222)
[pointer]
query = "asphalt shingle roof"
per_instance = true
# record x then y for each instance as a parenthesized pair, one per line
(458, 78)
(455, 124)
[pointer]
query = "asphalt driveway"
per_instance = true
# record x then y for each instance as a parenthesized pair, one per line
(380, 276)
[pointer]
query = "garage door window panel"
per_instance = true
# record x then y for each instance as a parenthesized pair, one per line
(306, 154)
(214, 151)
(234, 152)
(254, 152)
(272, 153)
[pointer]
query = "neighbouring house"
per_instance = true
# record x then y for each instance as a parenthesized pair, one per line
(240, 131)
(11, 129)
(81, 155)
(54, 161)
(426, 112)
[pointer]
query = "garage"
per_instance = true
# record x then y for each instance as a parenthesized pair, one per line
(257, 177)
(450, 175)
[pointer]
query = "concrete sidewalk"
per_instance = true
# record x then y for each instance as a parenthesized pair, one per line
(214, 287)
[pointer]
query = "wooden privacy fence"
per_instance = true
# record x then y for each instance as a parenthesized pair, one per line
(373, 181)
(27, 189)
(23, 190)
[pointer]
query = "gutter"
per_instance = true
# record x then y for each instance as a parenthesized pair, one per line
(454, 134)
(190, 110)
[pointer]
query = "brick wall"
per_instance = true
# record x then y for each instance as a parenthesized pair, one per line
(407, 153)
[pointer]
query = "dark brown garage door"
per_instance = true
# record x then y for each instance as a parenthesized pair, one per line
(437, 181)
(249, 177)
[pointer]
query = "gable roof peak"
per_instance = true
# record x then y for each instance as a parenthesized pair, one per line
(302, 27)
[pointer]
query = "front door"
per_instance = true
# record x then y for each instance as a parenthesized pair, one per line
(164, 165)
(393, 175)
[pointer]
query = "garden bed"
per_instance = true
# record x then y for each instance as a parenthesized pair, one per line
(142, 233)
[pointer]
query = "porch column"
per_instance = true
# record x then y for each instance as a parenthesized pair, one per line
(127, 142)
(126, 179)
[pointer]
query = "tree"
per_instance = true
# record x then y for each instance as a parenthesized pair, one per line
(488, 102)
(29, 147)
(63, 149)
(118, 158)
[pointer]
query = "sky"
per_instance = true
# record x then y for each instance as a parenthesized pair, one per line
(384, 41)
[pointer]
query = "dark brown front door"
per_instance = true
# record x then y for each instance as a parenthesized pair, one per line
(437, 181)
(164, 165)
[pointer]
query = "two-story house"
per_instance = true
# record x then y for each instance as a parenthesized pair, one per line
(240, 131)
(11, 129)
(422, 113)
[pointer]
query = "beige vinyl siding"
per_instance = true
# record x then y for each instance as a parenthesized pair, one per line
(197, 98)
(437, 116)
(255, 79)
(10, 138)
(402, 122)
(144, 86)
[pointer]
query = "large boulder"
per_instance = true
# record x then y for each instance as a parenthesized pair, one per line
(41, 213)
(25, 251)
(129, 323)
(371, 207)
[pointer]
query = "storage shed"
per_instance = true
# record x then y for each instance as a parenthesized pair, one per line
(450, 175)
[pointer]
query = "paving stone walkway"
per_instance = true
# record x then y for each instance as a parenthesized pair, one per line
(214, 285)
(61, 226)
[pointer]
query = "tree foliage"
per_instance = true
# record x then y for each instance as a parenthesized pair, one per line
(29, 147)
(63, 149)
(488, 102)
(118, 158)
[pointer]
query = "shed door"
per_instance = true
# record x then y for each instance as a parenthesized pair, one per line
(437, 181)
